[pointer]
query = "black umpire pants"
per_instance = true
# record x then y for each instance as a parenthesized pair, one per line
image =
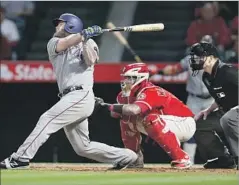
(210, 138)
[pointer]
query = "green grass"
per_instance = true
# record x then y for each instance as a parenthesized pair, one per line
(33, 177)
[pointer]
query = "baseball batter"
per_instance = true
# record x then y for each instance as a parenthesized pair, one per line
(73, 56)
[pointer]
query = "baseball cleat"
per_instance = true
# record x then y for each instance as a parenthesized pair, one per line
(139, 163)
(181, 164)
(10, 163)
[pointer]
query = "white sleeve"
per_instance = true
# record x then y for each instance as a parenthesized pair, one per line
(14, 34)
(51, 46)
(90, 52)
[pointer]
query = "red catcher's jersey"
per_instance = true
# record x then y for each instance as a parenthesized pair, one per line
(154, 99)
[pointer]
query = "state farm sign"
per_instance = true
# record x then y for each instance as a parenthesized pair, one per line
(42, 72)
(23, 72)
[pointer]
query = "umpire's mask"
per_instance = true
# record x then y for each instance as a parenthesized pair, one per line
(198, 55)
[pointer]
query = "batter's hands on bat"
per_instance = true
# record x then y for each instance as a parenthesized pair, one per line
(92, 32)
(203, 114)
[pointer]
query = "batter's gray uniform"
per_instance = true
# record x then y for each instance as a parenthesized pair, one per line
(229, 123)
(198, 95)
(72, 68)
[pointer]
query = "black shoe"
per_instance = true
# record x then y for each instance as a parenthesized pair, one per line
(119, 166)
(224, 162)
(10, 163)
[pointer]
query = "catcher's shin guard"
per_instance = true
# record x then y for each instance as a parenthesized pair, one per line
(159, 132)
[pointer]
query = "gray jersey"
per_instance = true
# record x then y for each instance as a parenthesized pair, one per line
(71, 66)
(195, 84)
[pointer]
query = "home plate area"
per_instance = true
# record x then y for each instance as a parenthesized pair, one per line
(97, 167)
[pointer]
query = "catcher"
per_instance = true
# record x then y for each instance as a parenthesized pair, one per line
(145, 108)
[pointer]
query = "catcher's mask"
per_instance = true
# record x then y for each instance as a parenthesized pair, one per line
(132, 76)
(199, 53)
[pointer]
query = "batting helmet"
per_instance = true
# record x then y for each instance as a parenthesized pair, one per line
(73, 23)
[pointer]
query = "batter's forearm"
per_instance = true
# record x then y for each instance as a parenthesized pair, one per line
(90, 54)
(70, 40)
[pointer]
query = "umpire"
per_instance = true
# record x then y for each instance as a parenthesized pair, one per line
(221, 81)
(198, 96)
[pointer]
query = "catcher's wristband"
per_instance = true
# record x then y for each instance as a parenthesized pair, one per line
(118, 108)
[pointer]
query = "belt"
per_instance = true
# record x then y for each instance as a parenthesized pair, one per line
(201, 96)
(68, 90)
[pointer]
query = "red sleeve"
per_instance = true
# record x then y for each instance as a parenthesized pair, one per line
(234, 25)
(192, 34)
(224, 33)
(150, 99)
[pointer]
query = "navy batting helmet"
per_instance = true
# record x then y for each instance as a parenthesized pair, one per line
(73, 23)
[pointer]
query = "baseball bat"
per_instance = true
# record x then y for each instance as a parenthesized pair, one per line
(124, 42)
(138, 28)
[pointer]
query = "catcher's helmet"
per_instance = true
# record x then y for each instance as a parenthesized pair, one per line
(73, 23)
(132, 76)
(199, 52)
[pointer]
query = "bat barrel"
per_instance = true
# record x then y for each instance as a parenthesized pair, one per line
(114, 29)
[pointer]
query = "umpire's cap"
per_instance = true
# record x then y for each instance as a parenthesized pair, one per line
(73, 23)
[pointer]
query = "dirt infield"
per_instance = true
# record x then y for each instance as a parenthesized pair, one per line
(151, 168)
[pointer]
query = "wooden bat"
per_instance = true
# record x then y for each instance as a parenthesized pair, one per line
(138, 28)
(124, 42)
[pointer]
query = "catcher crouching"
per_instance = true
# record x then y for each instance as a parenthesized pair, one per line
(145, 108)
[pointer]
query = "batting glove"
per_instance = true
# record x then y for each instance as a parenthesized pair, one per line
(91, 32)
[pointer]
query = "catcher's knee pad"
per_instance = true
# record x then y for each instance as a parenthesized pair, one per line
(153, 119)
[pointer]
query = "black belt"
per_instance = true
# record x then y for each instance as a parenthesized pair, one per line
(69, 89)
(201, 96)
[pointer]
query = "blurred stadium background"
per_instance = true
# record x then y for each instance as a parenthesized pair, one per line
(26, 77)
